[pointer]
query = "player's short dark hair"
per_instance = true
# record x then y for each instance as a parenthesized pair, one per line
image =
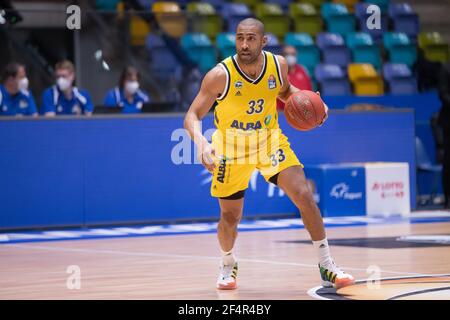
(126, 72)
(11, 70)
(253, 21)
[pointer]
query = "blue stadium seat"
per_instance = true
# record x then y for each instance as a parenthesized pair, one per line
(399, 78)
(273, 45)
(147, 4)
(332, 80)
(307, 53)
(217, 4)
(233, 13)
(383, 4)
(163, 62)
(190, 86)
(199, 49)
(404, 19)
(283, 3)
(337, 18)
(362, 17)
(363, 49)
(333, 48)
(226, 43)
(400, 48)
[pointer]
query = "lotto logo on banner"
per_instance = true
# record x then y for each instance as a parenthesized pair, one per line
(387, 189)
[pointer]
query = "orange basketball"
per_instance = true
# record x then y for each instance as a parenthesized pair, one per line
(304, 110)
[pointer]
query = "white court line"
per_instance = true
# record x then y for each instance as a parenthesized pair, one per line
(313, 291)
(206, 227)
(430, 214)
(149, 254)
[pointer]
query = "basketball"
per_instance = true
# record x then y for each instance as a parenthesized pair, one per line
(304, 110)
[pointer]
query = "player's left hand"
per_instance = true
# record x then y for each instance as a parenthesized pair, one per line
(326, 111)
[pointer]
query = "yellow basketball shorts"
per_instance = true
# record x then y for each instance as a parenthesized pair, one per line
(232, 173)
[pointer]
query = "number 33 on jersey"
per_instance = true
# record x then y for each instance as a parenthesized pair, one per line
(249, 104)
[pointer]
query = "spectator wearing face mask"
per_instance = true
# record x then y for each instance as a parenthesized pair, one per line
(127, 94)
(15, 99)
(298, 75)
(63, 97)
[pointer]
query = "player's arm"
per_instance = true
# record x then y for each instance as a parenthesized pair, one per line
(287, 89)
(212, 86)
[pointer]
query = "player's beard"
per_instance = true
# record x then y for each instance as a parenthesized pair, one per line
(250, 57)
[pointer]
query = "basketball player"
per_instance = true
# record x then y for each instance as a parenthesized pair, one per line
(245, 88)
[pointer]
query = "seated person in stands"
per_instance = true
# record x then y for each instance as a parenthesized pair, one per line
(63, 97)
(15, 99)
(127, 94)
(298, 75)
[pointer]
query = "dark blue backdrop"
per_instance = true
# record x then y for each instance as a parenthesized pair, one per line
(77, 171)
(425, 105)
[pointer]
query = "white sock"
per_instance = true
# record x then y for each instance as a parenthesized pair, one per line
(228, 257)
(323, 252)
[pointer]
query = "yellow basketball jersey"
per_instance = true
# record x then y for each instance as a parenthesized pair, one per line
(249, 104)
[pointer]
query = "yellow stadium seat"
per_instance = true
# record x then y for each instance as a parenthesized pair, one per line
(365, 79)
(434, 46)
(139, 29)
(170, 18)
(165, 7)
(120, 8)
(204, 19)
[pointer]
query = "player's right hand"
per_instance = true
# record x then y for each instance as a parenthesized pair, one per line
(326, 111)
(206, 156)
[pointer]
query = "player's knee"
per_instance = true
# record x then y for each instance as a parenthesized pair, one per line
(303, 194)
(231, 217)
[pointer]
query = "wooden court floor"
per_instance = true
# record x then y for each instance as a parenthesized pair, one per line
(186, 266)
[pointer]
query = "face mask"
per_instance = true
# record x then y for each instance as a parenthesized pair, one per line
(131, 87)
(63, 83)
(23, 84)
(291, 60)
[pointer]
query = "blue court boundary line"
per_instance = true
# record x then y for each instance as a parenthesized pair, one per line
(171, 229)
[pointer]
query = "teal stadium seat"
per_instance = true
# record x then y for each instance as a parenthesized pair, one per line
(226, 43)
(106, 4)
(400, 48)
(307, 52)
(199, 49)
(363, 49)
(338, 19)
